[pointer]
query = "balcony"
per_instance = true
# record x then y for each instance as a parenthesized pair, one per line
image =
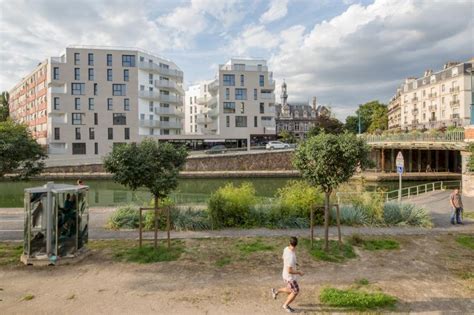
(154, 67)
(432, 108)
(213, 112)
(159, 124)
(415, 111)
(454, 103)
(243, 68)
(61, 59)
(454, 116)
(454, 89)
(414, 122)
(414, 99)
(157, 96)
(432, 119)
(432, 95)
(213, 86)
(168, 111)
(267, 96)
(167, 84)
(203, 120)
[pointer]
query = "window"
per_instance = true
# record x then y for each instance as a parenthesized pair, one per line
(128, 61)
(227, 93)
(262, 80)
(229, 80)
(109, 60)
(56, 134)
(78, 88)
(442, 88)
(56, 103)
(96, 148)
(126, 74)
(77, 74)
(77, 118)
(78, 133)
(77, 103)
(142, 116)
(90, 59)
(150, 107)
(127, 134)
(91, 133)
(262, 108)
(96, 119)
(242, 79)
(119, 119)
(119, 89)
(255, 121)
(126, 104)
(229, 107)
(56, 73)
(78, 148)
(255, 93)
(227, 121)
(91, 74)
(240, 121)
(110, 104)
(77, 59)
(150, 78)
(96, 90)
(110, 133)
(91, 104)
(240, 94)
(242, 107)
(109, 74)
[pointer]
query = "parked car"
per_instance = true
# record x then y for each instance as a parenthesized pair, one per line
(216, 149)
(277, 145)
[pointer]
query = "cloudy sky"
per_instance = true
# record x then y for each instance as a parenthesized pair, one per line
(345, 52)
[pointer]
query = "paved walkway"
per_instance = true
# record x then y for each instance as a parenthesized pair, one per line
(11, 224)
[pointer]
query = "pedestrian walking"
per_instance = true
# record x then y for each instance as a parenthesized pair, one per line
(457, 207)
(289, 274)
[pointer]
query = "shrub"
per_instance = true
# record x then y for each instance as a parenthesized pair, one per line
(230, 206)
(298, 197)
(149, 221)
(371, 204)
(406, 214)
(125, 217)
(190, 220)
(350, 215)
(356, 298)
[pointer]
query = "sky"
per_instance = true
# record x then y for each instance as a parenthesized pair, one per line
(344, 52)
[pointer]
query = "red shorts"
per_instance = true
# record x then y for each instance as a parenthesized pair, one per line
(293, 286)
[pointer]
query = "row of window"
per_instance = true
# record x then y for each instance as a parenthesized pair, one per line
(91, 104)
(229, 80)
(78, 135)
(80, 89)
(117, 118)
(229, 108)
(127, 60)
(241, 121)
(80, 148)
(91, 74)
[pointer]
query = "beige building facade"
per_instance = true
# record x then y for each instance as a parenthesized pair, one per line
(436, 100)
(394, 111)
(89, 99)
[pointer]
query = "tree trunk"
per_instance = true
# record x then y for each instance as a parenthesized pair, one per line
(326, 220)
(156, 221)
(168, 225)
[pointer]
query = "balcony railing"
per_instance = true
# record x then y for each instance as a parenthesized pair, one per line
(167, 84)
(414, 111)
(454, 89)
(432, 108)
(414, 99)
(432, 95)
(267, 96)
(151, 66)
(454, 116)
(203, 120)
(454, 103)
(168, 111)
(160, 124)
(213, 112)
(452, 136)
(157, 96)
(213, 85)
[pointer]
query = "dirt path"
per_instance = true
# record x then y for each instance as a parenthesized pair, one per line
(425, 274)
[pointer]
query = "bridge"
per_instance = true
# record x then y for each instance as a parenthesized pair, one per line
(423, 152)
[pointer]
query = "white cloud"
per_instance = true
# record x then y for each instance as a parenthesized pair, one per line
(365, 52)
(277, 10)
(253, 37)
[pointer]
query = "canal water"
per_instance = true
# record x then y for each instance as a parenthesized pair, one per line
(190, 191)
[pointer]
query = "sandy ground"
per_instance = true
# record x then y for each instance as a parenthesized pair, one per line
(425, 274)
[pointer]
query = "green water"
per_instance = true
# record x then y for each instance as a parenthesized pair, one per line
(108, 193)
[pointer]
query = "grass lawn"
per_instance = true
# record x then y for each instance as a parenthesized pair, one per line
(466, 241)
(356, 299)
(468, 215)
(373, 243)
(254, 246)
(334, 254)
(10, 253)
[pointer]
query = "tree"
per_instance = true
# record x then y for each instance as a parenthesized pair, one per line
(4, 106)
(328, 160)
(287, 136)
(148, 164)
(20, 154)
(326, 124)
(373, 116)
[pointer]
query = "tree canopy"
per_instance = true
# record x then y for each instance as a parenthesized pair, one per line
(148, 164)
(326, 124)
(4, 106)
(20, 154)
(373, 117)
(287, 136)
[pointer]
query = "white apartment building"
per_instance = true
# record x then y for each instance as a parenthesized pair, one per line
(438, 99)
(92, 98)
(239, 103)
(394, 111)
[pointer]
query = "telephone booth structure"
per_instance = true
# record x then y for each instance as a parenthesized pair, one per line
(56, 223)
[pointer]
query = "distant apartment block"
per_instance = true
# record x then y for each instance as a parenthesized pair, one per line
(238, 104)
(92, 98)
(436, 100)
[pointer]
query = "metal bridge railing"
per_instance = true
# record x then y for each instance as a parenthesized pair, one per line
(450, 136)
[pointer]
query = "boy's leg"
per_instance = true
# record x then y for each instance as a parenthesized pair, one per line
(290, 298)
(284, 290)
(458, 215)
(453, 216)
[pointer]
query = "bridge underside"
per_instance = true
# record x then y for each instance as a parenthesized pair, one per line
(418, 159)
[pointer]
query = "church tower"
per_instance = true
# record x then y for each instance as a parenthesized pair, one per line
(285, 109)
